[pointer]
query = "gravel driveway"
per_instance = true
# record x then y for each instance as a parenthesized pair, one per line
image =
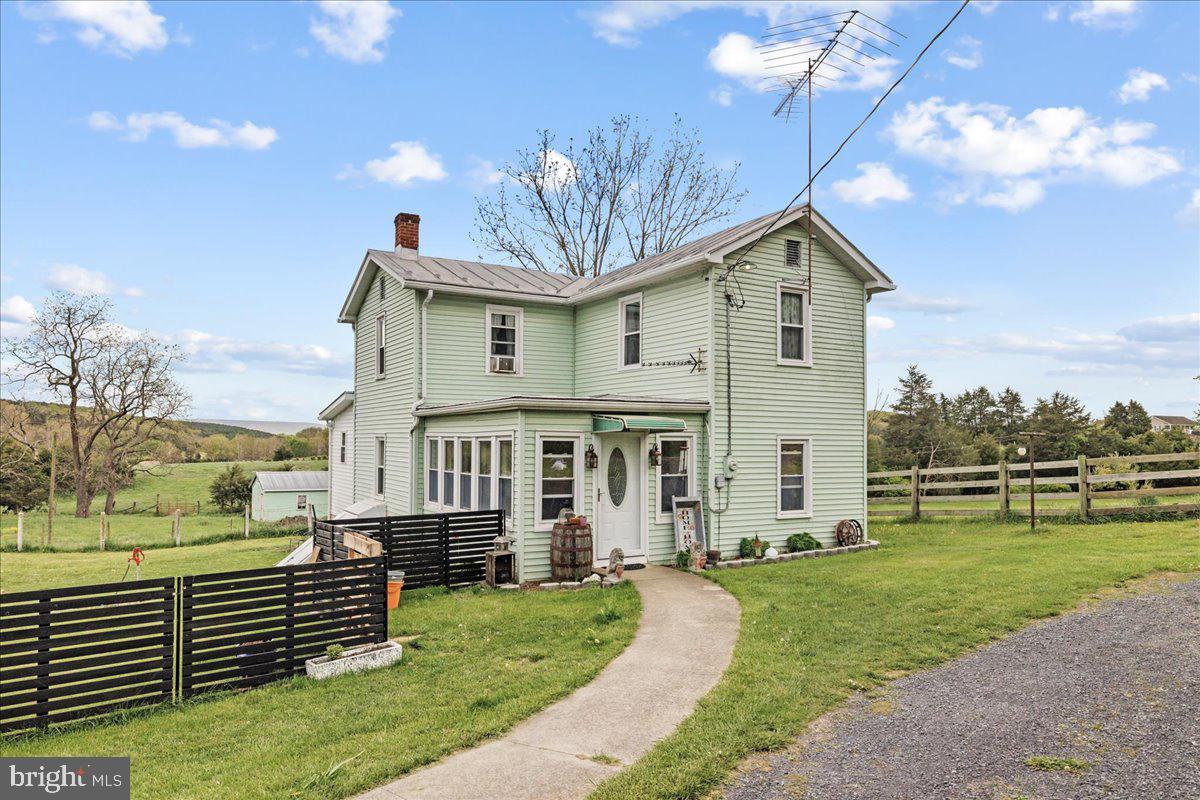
(1114, 688)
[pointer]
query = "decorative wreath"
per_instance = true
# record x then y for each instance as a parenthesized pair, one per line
(849, 531)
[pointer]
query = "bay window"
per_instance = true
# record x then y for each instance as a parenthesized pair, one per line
(483, 479)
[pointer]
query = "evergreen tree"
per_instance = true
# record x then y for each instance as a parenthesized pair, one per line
(915, 418)
(1064, 422)
(1011, 412)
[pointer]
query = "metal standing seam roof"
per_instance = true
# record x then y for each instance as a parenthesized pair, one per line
(1170, 420)
(294, 481)
(478, 275)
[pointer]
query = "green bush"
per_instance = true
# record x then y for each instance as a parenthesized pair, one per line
(335, 651)
(1147, 501)
(746, 548)
(799, 542)
(682, 559)
(230, 490)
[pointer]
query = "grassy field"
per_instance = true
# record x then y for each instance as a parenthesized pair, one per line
(183, 484)
(21, 572)
(1019, 502)
(485, 661)
(815, 631)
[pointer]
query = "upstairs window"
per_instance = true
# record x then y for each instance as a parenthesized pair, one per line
(504, 340)
(380, 345)
(794, 326)
(630, 322)
(791, 252)
(342, 449)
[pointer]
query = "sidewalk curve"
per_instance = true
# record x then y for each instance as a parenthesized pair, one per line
(681, 649)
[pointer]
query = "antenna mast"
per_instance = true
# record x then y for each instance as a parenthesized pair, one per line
(818, 50)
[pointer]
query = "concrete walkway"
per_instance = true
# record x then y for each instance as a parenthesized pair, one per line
(681, 649)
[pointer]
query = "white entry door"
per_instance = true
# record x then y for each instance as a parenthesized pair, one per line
(622, 507)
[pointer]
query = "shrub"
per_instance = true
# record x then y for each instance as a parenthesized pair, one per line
(230, 490)
(799, 542)
(1147, 501)
(682, 559)
(335, 651)
(746, 548)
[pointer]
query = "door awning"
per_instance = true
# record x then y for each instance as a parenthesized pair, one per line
(612, 423)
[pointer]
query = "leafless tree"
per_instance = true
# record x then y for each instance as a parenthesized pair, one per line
(619, 197)
(116, 385)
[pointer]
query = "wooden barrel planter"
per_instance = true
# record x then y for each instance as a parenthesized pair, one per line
(570, 552)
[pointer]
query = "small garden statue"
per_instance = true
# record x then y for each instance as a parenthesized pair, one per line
(616, 562)
(699, 557)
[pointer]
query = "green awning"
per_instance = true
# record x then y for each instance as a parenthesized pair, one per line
(611, 423)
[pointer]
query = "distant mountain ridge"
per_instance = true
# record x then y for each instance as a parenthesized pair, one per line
(260, 425)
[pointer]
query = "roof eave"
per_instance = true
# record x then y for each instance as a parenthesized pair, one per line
(582, 404)
(497, 294)
(340, 403)
(358, 290)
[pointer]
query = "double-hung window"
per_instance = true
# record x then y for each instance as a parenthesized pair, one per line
(504, 471)
(483, 471)
(465, 475)
(629, 312)
(504, 340)
(675, 471)
(342, 449)
(448, 473)
(483, 479)
(793, 468)
(793, 325)
(558, 479)
(380, 463)
(432, 478)
(380, 346)
(302, 501)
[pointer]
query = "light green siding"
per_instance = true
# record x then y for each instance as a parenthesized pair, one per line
(825, 402)
(382, 406)
(271, 506)
(675, 324)
(457, 357)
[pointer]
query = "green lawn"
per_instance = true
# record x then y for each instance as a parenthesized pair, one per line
(21, 572)
(815, 631)
(184, 484)
(486, 660)
(1019, 502)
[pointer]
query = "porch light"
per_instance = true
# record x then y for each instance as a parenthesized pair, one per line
(590, 459)
(655, 455)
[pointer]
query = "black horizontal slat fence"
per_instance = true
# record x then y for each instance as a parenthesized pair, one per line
(242, 629)
(85, 650)
(432, 549)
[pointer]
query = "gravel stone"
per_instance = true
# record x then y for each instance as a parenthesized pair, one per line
(1115, 685)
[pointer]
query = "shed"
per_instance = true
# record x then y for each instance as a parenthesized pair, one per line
(276, 495)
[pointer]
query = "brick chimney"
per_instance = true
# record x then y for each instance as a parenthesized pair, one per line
(408, 227)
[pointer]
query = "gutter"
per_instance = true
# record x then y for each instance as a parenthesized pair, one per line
(566, 404)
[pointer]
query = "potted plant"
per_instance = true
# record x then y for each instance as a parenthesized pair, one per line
(714, 555)
(760, 546)
(339, 660)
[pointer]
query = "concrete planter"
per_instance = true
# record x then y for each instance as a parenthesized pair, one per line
(356, 659)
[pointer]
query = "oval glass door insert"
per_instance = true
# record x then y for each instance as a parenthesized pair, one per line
(617, 477)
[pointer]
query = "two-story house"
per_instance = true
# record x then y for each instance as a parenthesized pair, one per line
(705, 371)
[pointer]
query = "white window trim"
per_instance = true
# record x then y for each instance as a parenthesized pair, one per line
(376, 467)
(806, 307)
(458, 471)
(342, 439)
(690, 438)
(580, 476)
(512, 470)
(453, 474)
(381, 344)
(494, 476)
(641, 331)
(488, 310)
(430, 503)
(807, 512)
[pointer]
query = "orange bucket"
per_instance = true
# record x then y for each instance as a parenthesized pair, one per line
(394, 588)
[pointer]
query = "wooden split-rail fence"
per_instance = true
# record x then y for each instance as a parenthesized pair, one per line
(1007, 488)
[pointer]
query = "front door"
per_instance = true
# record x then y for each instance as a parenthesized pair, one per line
(622, 506)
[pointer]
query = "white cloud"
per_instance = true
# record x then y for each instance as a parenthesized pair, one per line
(1105, 14)
(736, 56)
(1172, 328)
(1139, 84)
(924, 304)
(209, 352)
(120, 27)
(967, 53)
(621, 21)
(79, 280)
(877, 324)
(355, 30)
(722, 96)
(409, 162)
(484, 173)
(15, 315)
(1006, 161)
(1190, 214)
(1052, 13)
(137, 127)
(876, 183)
(986, 7)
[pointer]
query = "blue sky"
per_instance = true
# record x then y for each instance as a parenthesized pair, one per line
(219, 169)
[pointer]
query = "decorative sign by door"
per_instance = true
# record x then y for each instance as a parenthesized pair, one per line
(688, 513)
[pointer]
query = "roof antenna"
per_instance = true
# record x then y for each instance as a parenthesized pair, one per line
(820, 51)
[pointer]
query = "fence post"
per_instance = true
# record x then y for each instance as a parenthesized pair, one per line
(175, 526)
(246, 522)
(1085, 501)
(444, 525)
(1003, 475)
(157, 504)
(103, 525)
(20, 530)
(916, 492)
(311, 513)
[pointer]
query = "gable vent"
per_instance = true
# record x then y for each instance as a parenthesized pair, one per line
(792, 253)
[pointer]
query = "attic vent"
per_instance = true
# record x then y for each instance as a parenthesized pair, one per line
(792, 253)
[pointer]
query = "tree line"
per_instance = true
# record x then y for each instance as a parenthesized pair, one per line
(978, 426)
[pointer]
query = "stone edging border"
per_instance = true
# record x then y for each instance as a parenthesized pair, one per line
(737, 563)
(549, 586)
